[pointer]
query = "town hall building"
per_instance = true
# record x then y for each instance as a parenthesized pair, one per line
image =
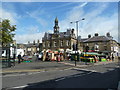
(62, 41)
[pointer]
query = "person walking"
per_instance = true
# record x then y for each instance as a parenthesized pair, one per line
(58, 57)
(37, 56)
(19, 58)
(112, 57)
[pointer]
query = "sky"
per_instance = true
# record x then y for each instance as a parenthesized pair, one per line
(33, 19)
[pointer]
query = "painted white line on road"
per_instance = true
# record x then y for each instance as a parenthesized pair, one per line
(60, 79)
(111, 69)
(19, 87)
(68, 69)
(14, 75)
(30, 73)
(85, 70)
(83, 74)
(61, 70)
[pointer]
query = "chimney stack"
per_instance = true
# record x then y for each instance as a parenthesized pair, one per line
(34, 42)
(96, 34)
(89, 36)
(38, 41)
(108, 34)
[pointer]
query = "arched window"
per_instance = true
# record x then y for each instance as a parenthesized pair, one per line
(48, 44)
(43, 44)
(68, 43)
(96, 47)
(55, 44)
(61, 43)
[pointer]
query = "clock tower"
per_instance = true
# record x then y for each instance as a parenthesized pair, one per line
(56, 27)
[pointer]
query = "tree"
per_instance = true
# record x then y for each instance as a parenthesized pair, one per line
(6, 32)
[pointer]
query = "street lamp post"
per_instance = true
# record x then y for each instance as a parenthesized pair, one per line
(76, 53)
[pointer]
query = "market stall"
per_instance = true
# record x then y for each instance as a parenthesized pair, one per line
(92, 57)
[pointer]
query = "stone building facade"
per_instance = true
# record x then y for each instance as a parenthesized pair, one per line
(102, 44)
(59, 40)
(32, 48)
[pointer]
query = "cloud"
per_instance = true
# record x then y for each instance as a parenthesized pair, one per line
(94, 21)
(8, 15)
(76, 13)
(83, 4)
(102, 25)
(33, 29)
(37, 16)
(29, 37)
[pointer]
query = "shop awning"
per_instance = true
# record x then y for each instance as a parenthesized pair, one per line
(90, 53)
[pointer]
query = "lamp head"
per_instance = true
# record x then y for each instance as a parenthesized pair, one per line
(83, 18)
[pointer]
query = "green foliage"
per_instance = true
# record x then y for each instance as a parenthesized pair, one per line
(6, 31)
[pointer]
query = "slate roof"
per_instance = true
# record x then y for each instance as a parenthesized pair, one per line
(82, 40)
(97, 38)
(31, 45)
(62, 34)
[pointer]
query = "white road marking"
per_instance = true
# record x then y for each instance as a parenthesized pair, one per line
(30, 73)
(86, 70)
(13, 75)
(61, 70)
(68, 69)
(60, 79)
(111, 69)
(21, 74)
(19, 86)
(82, 74)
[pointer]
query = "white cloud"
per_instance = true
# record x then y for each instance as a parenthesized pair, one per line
(82, 5)
(8, 15)
(94, 21)
(75, 14)
(33, 29)
(29, 37)
(30, 33)
(102, 25)
(36, 15)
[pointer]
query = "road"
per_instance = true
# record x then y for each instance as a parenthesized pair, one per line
(99, 76)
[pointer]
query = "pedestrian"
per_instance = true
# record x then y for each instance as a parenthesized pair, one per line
(95, 58)
(58, 57)
(47, 56)
(112, 57)
(37, 56)
(109, 58)
(44, 56)
(19, 58)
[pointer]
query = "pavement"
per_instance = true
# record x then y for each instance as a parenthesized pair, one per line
(40, 66)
